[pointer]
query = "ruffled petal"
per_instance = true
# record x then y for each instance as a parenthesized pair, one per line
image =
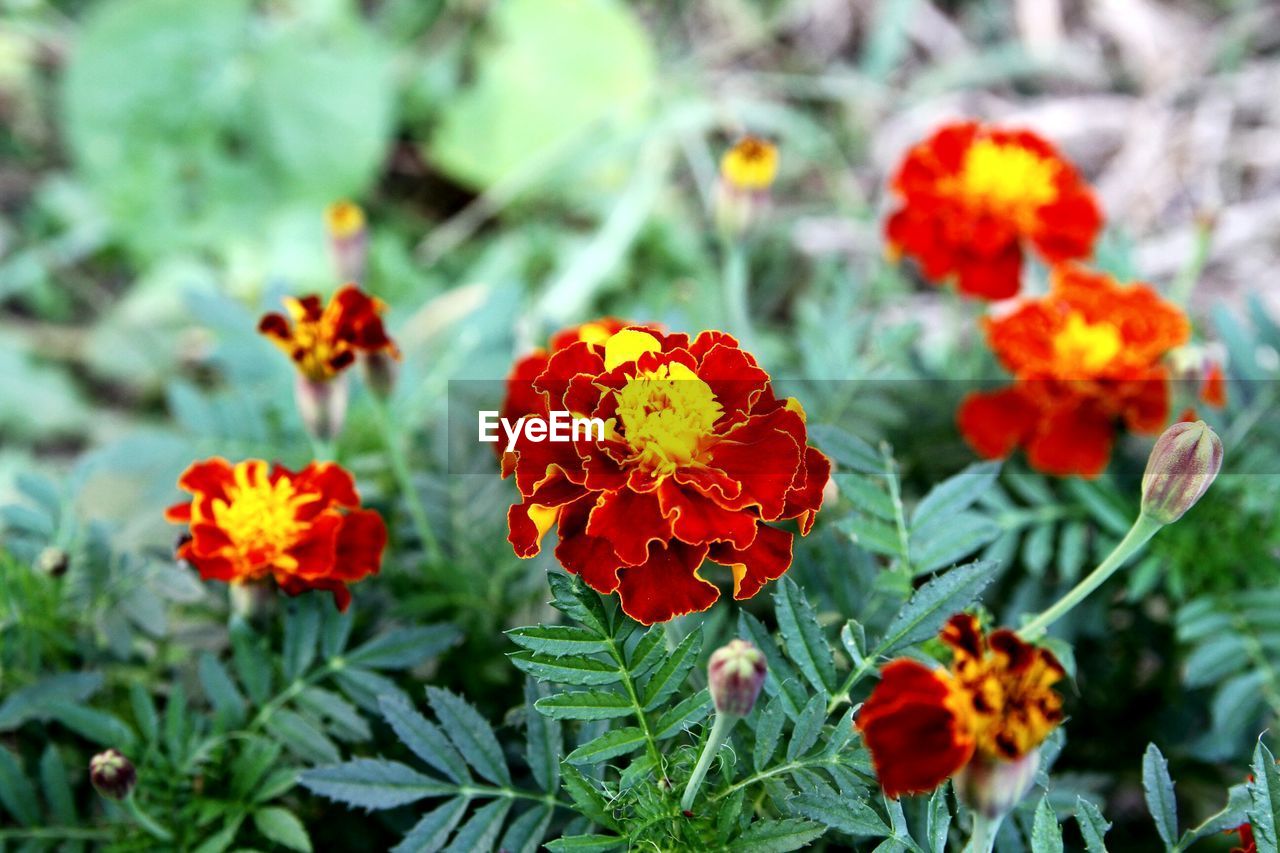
(767, 558)
(666, 585)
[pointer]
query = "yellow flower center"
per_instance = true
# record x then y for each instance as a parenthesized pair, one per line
(1008, 713)
(1086, 348)
(344, 219)
(313, 342)
(752, 164)
(261, 518)
(594, 333)
(666, 415)
(1007, 179)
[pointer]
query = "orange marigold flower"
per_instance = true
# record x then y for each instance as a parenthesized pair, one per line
(1214, 391)
(304, 529)
(1086, 357)
(323, 340)
(995, 703)
(698, 455)
(975, 197)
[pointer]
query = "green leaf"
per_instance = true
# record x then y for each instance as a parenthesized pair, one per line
(303, 737)
(1158, 788)
(98, 726)
(373, 783)
(546, 741)
(1219, 657)
(572, 598)
(471, 734)
(934, 603)
(252, 660)
(963, 534)
(257, 756)
(345, 721)
(282, 827)
(56, 787)
(874, 535)
(1093, 826)
(17, 794)
(585, 705)
(778, 836)
(674, 670)
(525, 833)
(580, 671)
(768, 730)
(938, 821)
(853, 817)
(585, 844)
(609, 745)
(782, 679)
(481, 830)
(403, 648)
(30, 702)
(366, 688)
(590, 803)
(952, 496)
(221, 691)
(866, 494)
(433, 830)
(1264, 796)
(808, 727)
(558, 640)
(683, 714)
(335, 632)
(1046, 835)
(802, 636)
(144, 712)
(424, 738)
(648, 653)
(301, 635)
(846, 449)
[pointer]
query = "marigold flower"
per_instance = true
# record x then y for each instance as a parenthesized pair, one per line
(751, 164)
(975, 198)
(348, 239)
(323, 340)
(1247, 843)
(1183, 464)
(735, 674)
(1213, 392)
(1085, 357)
(698, 455)
(112, 774)
(306, 529)
(995, 703)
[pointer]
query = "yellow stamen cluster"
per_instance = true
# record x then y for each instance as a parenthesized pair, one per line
(1082, 349)
(667, 414)
(1007, 179)
(344, 219)
(750, 165)
(261, 518)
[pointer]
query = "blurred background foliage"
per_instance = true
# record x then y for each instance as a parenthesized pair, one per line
(525, 164)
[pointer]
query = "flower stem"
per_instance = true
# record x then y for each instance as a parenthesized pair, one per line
(736, 284)
(719, 731)
(145, 820)
(984, 834)
(1141, 531)
(404, 479)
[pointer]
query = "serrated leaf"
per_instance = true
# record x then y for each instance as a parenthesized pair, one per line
(252, 762)
(1264, 797)
(1215, 659)
(432, 832)
(373, 783)
(934, 603)
(481, 829)
(252, 660)
(558, 640)
(16, 793)
(849, 816)
(525, 833)
(802, 636)
(221, 691)
(585, 705)
(471, 734)
(367, 688)
(424, 738)
(808, 727)
(874, 535)
(282, 827)
(846, 449)
(98, 726)
(586, 797)
(30, 702)
(866, 494)
(303, 737)
(938, 820)
(144, 712)
(1046, 835)
(545, 739)
(782, 678)
(585, 844)
(301, 635)
(403, 648)
(572, 598)
(778, 836)
(345, 721)
(609, 745)
(683, 714)
(952, 496)
(768, 730)
(961, 536)
(674, 670)
(56, 787)
(579, 671)
(1158, 789)
(1093, 826)
(648, 653)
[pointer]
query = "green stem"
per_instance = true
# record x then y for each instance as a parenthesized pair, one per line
(145, 821)
(859, 672)
(719, 732)
(1141, 531)
(736, 284)
(984, 834)
(404, 480)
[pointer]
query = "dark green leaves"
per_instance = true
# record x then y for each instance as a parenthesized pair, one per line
(1093, 826)
(471, 735)
(798, 624)
(1158, 789)
(934, 603)
(1264, 800)
(370, 783)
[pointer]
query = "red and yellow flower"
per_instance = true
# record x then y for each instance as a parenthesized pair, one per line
(306, 529)
(1247, 842)
(994, 704)
(323, 340)
(1087, 356)
(976, 198)
(698, 457)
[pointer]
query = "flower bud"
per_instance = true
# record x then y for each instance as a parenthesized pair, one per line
(992, 786)
(348, 239)
(322, 404)
(112, 774)
(1185, 460)
(53, 561)
(735, 674)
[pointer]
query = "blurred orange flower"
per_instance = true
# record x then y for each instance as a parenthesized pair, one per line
(323, 340)
(975, 198)
(1086, 356)
(994, 702)
(304, 529)
(698, 455)
(750, 165)
(1214, 391)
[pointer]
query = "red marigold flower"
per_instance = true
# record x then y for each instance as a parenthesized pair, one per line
(304, 529)
(697, 456)
(323, 340)
(994, 703)
(1086, 357)
(1214, 391)
(1247, 844)
(975, 197)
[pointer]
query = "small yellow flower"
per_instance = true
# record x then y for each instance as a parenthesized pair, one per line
(750, 165)
(344, 219)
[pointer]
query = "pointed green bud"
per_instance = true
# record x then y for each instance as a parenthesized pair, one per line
(735, 674)
(112, 774)
(1185, 460)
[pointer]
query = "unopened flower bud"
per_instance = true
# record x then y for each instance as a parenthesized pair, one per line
(112, 774)
(992, 786)
(747, 171)
(1185, 460)
(53, 561)
(735, 674)
(348, 239)
(322, 404)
